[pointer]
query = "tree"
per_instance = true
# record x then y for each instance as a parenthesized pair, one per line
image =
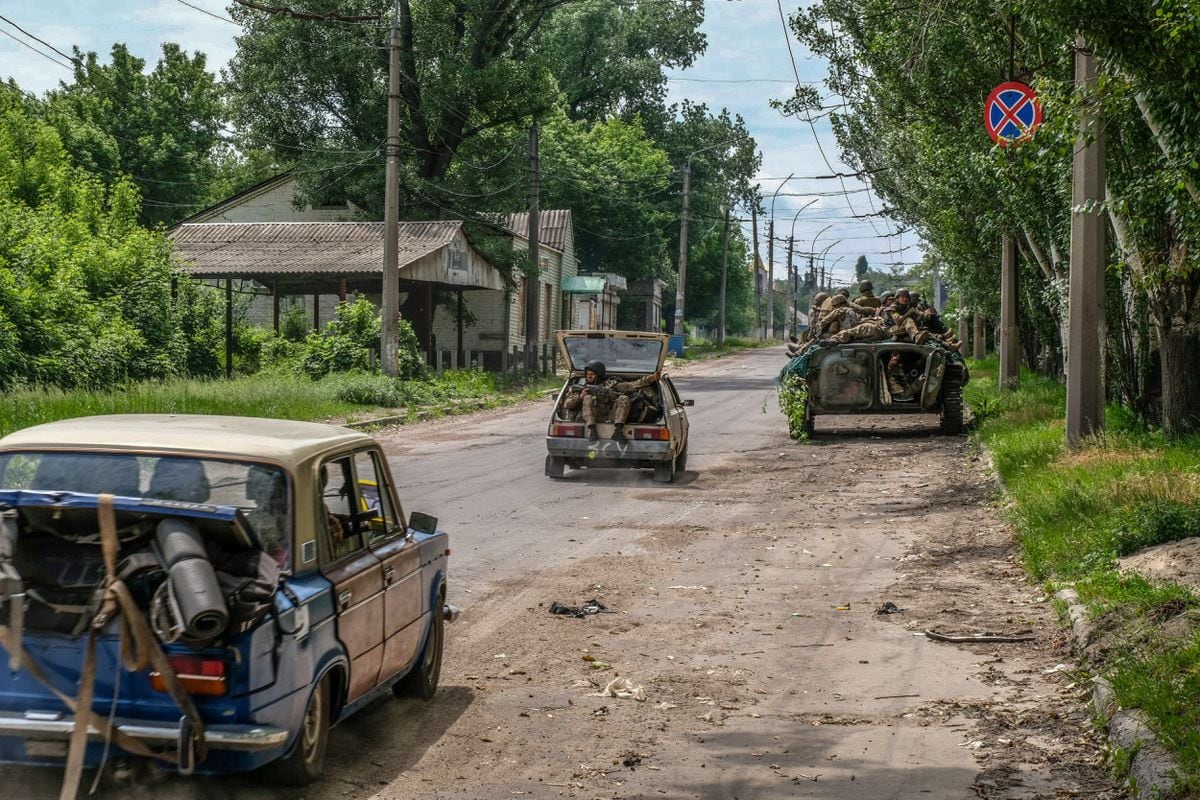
(162, 128)
(85, 292)
(860, 268)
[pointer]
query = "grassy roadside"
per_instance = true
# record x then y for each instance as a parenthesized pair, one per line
(699, 349)
(1077, 513)
(281, 394)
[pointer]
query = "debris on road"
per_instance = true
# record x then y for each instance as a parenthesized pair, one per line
(982, 637)
(588, 608)
(889, 608)
(623, 688)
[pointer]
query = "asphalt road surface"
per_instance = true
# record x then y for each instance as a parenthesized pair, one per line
(744, 601)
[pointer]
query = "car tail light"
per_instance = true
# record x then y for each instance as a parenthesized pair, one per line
(566, 430)
(659, 434)
(197, 675)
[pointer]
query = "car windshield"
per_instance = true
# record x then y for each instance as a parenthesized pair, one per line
(619, 354)
(259, 490)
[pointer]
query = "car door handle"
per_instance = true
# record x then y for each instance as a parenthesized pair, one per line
(344, 598)
(389, 574)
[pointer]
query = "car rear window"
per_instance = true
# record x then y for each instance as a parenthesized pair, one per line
(619, 354)
(261, 491)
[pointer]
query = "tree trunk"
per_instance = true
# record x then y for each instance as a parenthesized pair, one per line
(1178, 321)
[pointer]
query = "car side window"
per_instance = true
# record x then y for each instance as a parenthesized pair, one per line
(339, 501)
(376, 509)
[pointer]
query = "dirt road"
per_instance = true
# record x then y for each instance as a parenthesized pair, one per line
(744, 604)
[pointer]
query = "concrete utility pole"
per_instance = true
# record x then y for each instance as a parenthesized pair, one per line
(724, 273)
(754, 270)
(770, 334)
(1010, 334)
(683, 248)
(795, 283)
(979, 339)
(391, 212)
(1085, 371)
(533, 284)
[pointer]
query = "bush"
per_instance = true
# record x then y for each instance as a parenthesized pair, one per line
(370, 390)
(1158, 522)
(346, 344)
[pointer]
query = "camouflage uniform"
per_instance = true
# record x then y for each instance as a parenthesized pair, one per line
(611, 401)
(900, 321)
(870, 330)
(866, 296)
(841, 316)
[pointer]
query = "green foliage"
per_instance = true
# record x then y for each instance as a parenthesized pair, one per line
(161, 128)
(793, 402)
(346, 343)
(294, 324)
(1156, 522)
(85, 293)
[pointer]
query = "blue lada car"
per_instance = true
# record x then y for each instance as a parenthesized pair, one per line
(265, 569)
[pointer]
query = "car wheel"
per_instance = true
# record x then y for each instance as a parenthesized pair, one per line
(664, 471)
(422, 682)
(556, 467)
(952, 404)
(681, 459)
(306, 762)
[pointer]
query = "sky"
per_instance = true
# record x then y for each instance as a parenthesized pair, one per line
(747, 63)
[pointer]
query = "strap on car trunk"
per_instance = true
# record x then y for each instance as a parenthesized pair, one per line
(139, 649)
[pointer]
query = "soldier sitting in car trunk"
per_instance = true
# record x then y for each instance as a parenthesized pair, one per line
(603, 400)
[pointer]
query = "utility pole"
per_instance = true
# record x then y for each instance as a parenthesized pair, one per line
(1085, 376)
(979, 339)
(754, 269)
(391, 213)
(683, 249)
(724, 273)
(795, 278)
(771, 278)
(533, 283)
(1010, 334)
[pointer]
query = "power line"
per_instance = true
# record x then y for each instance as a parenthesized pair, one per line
(46, 56)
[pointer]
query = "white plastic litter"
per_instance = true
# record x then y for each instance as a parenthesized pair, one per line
(624, 689)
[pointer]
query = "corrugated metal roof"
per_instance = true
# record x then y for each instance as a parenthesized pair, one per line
(552, 226)
(298, 248)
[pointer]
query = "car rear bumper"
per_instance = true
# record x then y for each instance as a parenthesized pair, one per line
(607, 452)
(52, 727)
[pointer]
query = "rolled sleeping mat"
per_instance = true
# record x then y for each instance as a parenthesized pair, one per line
(193, 581)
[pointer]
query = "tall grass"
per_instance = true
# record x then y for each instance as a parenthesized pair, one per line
(1077, 512)
(280, 394)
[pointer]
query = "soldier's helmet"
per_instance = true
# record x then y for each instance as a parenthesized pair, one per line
(902, 293)
(887, 296)
(819, 298)
(844, 292)
(838, 300)
(865, 286)
(596, 367)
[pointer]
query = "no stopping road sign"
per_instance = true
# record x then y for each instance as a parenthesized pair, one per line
(1012, 113)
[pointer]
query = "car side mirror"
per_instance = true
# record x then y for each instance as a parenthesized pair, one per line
(422, 522)
(689, 403)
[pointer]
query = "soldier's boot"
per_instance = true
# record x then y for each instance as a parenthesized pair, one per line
(591, 434)
(619, 432)
(921, 337)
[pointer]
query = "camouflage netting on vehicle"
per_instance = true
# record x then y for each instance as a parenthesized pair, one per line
(799, 364)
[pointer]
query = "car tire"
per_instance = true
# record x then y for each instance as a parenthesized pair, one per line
(422, 681)
(306, 762)
(664, 471)
(556, 467)
(952, 403)
(681, 459)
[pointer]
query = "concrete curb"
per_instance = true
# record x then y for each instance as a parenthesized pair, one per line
(1152, 768)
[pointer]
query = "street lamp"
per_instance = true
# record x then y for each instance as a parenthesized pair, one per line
(770, 332)
(683, 229)
(795, 276)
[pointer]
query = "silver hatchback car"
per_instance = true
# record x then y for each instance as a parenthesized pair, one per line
(656, 430)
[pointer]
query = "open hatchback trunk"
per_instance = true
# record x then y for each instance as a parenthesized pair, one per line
(623, 352)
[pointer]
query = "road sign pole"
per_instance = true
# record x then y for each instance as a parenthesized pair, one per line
(1010, 334)
(1085, 376)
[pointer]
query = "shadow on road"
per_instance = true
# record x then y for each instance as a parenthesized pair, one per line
(367, 751)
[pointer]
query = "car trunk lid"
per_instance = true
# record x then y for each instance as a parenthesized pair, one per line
(622, 352)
